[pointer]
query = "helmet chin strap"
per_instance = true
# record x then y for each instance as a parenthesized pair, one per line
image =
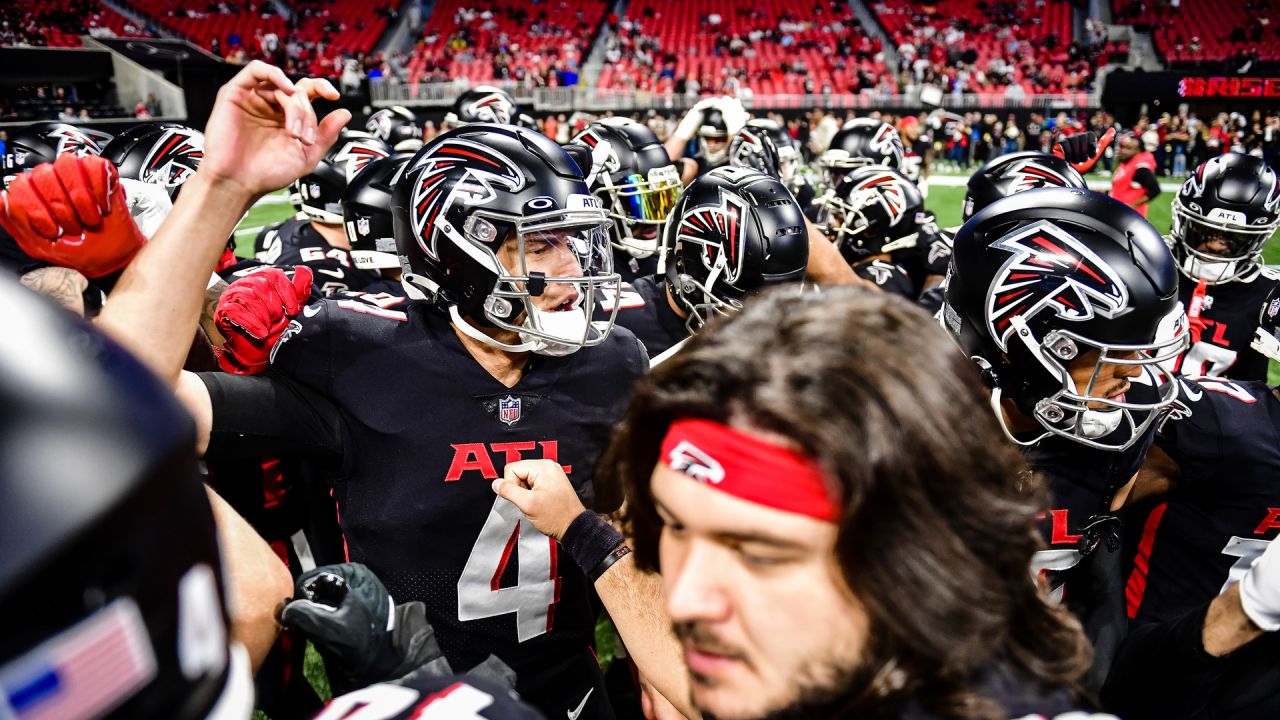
(998, 408)
(470, 331)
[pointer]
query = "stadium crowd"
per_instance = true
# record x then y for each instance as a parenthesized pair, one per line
(722, 380)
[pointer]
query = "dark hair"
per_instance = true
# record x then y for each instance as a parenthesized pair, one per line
(938, 508)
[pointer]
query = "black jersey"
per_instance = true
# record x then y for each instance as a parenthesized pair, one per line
(644, 310)
(295, 242)
(1226, 505)
(631, 267)
(928, 257)
(425, 430)
(1083, 562)
(888, 277)
(1230, 316)
(430, 698)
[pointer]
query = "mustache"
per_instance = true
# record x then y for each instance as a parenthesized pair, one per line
(704, 639)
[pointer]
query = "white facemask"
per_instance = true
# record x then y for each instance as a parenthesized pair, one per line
(1208, 271)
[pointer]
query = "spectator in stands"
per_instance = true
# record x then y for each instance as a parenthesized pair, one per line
(67, 115)
(153, 106)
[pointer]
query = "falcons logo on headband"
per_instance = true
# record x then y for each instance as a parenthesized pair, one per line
(491, 108)
(721, 231)
(1050, 271)
(1029, 175)
(80, 141)
(886, 190)
(355, 156)
(174, 159)
(476, 170)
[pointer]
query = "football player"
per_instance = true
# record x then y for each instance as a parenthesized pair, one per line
(859, 143)
(147, 598)
(732, 233)
(370, 231)
(1226, 211)
(712, 122)
(396, 126)
(876, 214)
(802, 454)
(316, 237)
(764, 145)
(1067, 301)
(485, 104)
(260, 115)
(638, 185)
(40, 143)
(507, 250)
(1206, 504)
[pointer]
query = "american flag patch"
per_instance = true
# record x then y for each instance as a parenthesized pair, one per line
(84, 672)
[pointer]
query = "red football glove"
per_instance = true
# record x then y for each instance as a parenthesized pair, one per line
(72, 213)
(1083, 150)
(254, 312)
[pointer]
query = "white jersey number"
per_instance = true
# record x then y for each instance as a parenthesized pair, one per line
(506, 536)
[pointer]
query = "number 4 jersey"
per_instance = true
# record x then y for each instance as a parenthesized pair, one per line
(425, 432)
(1225, 507)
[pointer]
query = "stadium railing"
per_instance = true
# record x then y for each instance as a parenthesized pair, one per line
(599, 99)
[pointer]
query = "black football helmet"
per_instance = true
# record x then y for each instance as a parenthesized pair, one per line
(766, 146)
(637, 181)
(714, 128)
(396, 126)
(733, 232)
(161, 154)
(861, 142)
(44, 142)
(873, 210)
(366, 214)
(483, 104)
(1044, 277)
(320, 192)
(1223, 216)
(110, 575)
(484, 193)
(1014, 173)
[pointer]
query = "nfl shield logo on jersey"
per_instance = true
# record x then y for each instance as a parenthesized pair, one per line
(509, 410)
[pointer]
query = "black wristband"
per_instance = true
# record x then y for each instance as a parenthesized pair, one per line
(603, 566)
(589, 540)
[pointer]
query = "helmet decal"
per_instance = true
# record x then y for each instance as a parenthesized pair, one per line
(1049, 270)
(175, 158)
(705, 225)
(886, 190)
(80, 141)
(483, 168)
(1029, 175)
(493, 107)
(355, 155)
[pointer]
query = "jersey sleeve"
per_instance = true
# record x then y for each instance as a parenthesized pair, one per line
(431, 698)
(304, 351)
(254, 415)
(1192, 436)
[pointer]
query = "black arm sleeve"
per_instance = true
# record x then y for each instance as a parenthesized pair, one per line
(256, 415)
(1162, 670)
(1147, 179)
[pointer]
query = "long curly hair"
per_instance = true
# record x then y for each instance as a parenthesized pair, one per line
(936, 532)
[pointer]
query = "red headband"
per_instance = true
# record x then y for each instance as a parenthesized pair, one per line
(749, 468)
